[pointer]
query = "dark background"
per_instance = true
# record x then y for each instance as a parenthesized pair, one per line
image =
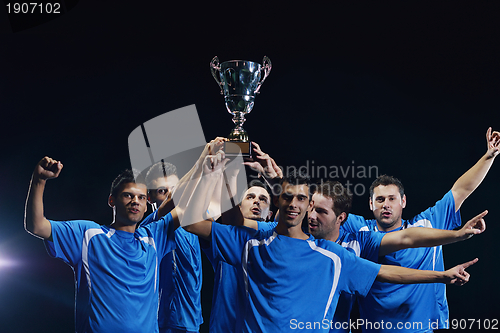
(410, 87)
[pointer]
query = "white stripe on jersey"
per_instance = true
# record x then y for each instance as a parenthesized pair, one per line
(85, 247)
(421, 223)
(354, 245)
(151, 241)
(246, 250)
(338, 266)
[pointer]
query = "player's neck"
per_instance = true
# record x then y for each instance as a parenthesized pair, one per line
(389, 227)
(291, 231)
(117, 225)
(127, 228)
(334, 236)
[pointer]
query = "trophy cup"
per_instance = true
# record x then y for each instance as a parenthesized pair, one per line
(240, 81)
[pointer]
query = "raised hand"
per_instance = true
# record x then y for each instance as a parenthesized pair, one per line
(213, 146)
(493, 142)
(214, 163)
(474, 226)
(47, 168)
(457, 275)
(264, 164)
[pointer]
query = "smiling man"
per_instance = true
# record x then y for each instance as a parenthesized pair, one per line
(273, 265)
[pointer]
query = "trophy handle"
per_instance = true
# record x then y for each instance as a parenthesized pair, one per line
(266, 67)
(215, 69)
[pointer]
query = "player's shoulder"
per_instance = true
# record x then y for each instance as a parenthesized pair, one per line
(323, 245)
(82, 224)
(355, 223)
(239, 230)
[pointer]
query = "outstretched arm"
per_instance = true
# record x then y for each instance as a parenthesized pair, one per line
(34, 218)
(429, 237)
(470, 180)
(401, 275)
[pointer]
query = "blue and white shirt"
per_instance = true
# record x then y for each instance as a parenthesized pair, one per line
(363, 244)
(180, 282)
(290, 283)
(116, 272)
(228, 294)
(410, 307)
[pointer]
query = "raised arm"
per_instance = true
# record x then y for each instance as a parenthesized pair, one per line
(188, 182)
(429, 237)
(34, 218)
(470, 180)
(269, 171)
(401, 275)
(193, 212)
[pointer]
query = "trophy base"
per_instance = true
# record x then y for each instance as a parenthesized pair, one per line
(235, 148)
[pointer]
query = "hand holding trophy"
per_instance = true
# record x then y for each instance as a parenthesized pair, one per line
(240, 81)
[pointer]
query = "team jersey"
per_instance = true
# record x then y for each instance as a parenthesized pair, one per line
(116, 272)
(363, 244)
(228, 296)
(410, 307)
(180, 282)
(289, 283)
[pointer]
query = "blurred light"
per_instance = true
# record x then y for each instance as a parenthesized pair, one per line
(8, 263)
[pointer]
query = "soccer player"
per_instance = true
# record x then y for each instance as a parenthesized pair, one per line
(415, 303)
(292, 280)
(329, 209)
(227, 295)
(181, 269)
(115, 265)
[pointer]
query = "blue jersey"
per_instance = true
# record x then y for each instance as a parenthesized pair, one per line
(289, 283)
(228, 294)
(180, 282)
(116, 272)
(363, 244)
(417, 306)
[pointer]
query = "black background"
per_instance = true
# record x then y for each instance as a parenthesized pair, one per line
(409, 87)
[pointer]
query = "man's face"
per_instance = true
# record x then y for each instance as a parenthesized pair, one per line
(387, 206)
(255, 204)
(293, 203)
(323, 223)
(130, 203)
(160, 188)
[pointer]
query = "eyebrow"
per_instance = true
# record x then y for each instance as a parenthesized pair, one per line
(139, 195)
(388, 196)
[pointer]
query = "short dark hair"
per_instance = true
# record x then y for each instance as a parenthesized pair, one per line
(160, 169)
(258, 183)
(341, 196)
(385, 180)
(296, 177)
(127, 176)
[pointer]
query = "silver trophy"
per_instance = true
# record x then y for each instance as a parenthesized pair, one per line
(240, 81)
